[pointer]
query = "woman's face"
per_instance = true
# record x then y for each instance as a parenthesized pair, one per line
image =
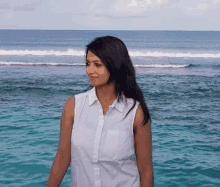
(97, 72)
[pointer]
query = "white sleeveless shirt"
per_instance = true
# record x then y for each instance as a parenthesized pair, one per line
(102, 146)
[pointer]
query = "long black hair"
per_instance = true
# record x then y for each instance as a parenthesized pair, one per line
(114, 54)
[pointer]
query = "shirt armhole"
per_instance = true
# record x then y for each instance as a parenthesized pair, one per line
(135, 111)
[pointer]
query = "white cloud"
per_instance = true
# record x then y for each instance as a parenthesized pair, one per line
(215, 2)
(4, 5)
(29, 6)
(111, 14)
(200, 6)
(9, 15)
(20, 5)
(133, 7)
(133, 3)
(105, 8)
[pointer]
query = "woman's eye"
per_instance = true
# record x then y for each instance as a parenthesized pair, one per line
(98, 65)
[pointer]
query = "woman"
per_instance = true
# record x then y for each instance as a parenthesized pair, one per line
(102, 128)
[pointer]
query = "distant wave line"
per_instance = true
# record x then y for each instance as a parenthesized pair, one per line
(81, 53)
(81, 64)
(174, 55)
(41, 64)
(161, 65)
(42, 52)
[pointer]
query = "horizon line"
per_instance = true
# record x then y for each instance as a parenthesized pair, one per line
(110, 30)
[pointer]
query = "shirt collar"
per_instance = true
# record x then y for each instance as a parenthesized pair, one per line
(118, 105)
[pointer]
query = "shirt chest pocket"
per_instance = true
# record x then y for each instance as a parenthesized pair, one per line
(116, 145)
(111, 141)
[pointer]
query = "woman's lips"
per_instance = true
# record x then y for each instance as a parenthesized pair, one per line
(92, 78)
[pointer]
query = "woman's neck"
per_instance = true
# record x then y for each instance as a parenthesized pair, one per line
(106, 93)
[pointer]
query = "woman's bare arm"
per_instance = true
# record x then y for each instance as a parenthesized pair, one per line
(63, 156)
(143, 149)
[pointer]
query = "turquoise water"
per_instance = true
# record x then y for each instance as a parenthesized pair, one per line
(184, 103)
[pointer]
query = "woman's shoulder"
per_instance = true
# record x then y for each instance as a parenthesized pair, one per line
(78, 98)
(82, 94)
(130, 101)
(71, 100)
(69, 107)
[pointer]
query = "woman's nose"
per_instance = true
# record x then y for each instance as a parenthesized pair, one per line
(90, 69)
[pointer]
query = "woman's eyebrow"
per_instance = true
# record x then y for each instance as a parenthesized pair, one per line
(93, 60)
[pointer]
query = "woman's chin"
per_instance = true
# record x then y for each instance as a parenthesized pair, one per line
(96, 84)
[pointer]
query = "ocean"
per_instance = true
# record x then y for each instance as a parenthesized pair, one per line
(178, 72)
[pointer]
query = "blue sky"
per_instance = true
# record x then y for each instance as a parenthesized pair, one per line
(110, 14)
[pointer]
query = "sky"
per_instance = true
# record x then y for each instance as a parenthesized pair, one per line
(195, 15)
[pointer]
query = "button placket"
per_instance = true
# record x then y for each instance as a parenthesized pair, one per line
(97, 174)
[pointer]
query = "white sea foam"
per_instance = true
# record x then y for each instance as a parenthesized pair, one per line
(41, 64)
(69, 52)
(174, 54)
(73, 52)
(160, 65)
(82, 64)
